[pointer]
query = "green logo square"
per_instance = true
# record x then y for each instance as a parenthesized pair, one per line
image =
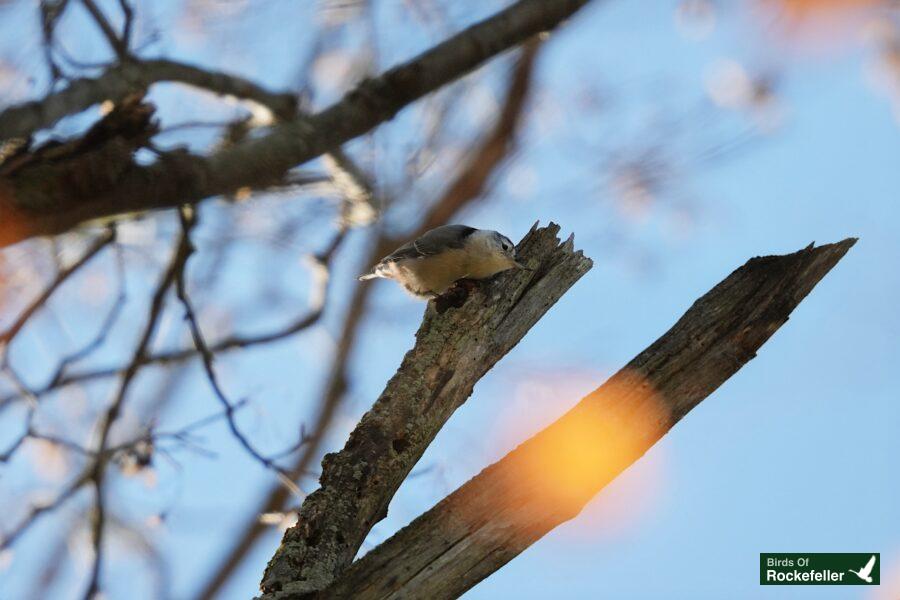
(823, 568)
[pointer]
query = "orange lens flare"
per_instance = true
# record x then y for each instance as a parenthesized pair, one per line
(564, 466)
(818, 26)
(808, 9)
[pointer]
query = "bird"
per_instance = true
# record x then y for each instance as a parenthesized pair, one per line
(431, 264)
(866, 572)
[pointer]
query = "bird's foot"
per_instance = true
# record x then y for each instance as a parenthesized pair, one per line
(456, 295)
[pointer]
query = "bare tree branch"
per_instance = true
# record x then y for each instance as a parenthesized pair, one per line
(354, 186)
(452, 352)
(257, 163)
(548, 479)
(126, 78)
(132, 76)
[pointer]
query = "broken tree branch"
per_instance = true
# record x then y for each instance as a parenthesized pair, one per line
(548, 479)
(453, 351)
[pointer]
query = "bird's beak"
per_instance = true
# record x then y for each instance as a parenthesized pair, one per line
(521, 266)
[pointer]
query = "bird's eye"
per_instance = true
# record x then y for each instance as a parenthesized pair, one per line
(505, 246)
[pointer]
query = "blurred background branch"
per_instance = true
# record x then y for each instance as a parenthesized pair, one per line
(178, 178)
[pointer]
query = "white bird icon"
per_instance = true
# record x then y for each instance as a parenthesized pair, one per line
(866, 571)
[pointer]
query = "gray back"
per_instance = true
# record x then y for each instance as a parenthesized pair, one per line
(432, 242)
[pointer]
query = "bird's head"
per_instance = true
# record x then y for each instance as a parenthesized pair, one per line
(503, 250)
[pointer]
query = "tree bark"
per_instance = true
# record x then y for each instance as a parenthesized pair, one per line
(453, 351)
(549, 478)
(125, 79)
(27, 210)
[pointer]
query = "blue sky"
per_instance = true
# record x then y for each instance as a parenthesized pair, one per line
(794, 453)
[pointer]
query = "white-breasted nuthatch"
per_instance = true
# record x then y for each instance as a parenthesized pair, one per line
(429, 265)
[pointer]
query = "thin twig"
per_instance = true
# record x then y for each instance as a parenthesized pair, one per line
(184, 434)
(96, 471)
(188, 220)
(51, 12)
(115, 42)
(95, 247)
(98, 522)
(157, 304)
(128, 12)
(320, 263)
(37, 510)
(105, 327)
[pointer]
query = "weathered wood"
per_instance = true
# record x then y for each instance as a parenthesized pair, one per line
(548, 479)
(453, 351)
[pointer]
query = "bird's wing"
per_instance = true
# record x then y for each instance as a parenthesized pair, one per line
(431, 242)
(866, 570)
